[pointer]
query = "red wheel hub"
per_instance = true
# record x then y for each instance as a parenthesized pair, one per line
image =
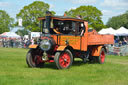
(37, 59)
(102, 56)
(64, 60)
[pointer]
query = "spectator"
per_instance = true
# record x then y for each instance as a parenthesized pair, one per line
(32, 41)
(120, 43)
(11, 43)
(124, 41)
(78, 16)
(28, 43)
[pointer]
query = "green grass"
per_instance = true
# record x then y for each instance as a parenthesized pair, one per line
(14, 71)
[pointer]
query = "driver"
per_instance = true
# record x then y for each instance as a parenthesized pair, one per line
(56, 30)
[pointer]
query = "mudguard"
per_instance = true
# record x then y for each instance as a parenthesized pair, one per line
(61, 48)
(33, 46)
(96, 51)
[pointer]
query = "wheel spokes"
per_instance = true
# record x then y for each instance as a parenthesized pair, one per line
(64, 60)
(102, 56)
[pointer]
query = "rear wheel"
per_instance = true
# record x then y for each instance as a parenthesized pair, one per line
(63, 59)
(33, 59)
(101, 58)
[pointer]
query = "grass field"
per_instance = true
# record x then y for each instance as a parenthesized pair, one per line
(14, 71)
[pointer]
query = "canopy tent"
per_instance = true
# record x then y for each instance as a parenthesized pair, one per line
(108, 31)
(10, 35)
(122, 32)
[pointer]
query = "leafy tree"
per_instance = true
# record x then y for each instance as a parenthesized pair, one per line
(89, 13)
(5, 21)
(22, 32)
(31, 13)
(118, 21)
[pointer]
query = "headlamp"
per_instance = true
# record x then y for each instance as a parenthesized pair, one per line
(45, 45)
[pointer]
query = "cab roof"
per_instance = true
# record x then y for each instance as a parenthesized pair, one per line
(63, 18)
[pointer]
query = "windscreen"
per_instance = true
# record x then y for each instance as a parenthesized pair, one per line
(66, 27)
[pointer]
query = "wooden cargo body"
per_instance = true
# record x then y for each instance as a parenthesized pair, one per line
(97, 39)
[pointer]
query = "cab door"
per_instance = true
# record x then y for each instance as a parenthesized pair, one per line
(71, 40)
(75, 40)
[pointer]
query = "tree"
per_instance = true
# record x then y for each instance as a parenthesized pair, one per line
(118, 21)
(90, 14)
(5, 21)
(31, 13)
(22, 32)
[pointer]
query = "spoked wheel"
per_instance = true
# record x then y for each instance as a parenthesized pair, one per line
(34, 60)
(101, 58)
(63, 59)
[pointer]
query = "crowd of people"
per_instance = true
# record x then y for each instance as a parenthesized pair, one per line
(25, 42)
(121, 42)
(16, 42)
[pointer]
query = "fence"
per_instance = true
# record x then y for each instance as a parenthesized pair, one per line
(121, 51)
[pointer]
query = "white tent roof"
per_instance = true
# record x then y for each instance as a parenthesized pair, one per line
(108, 31)
(122, 31)
(10, 34)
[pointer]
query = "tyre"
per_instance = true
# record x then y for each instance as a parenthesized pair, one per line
(85, 57)
(101, 58)
(63, 59)
(33, 59)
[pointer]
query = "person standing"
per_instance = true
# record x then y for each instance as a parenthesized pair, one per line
(32, 41)
(78, 17)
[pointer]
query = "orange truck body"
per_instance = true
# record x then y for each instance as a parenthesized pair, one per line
(81, 42)
(89, 44)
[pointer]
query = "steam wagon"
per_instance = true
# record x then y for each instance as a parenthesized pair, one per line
(63, 38)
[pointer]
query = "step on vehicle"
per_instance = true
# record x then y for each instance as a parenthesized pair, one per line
(63, 38)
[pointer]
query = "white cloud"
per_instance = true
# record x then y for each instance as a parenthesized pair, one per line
(107, 12)
(4, 4)
(110, 13)
(52, 6)
(116, 4)
(83, 1)
(113, 8)
(71, 8)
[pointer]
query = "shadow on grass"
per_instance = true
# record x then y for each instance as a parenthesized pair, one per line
(50, 65)
(78, 63)
(46, 65)
(53, 65)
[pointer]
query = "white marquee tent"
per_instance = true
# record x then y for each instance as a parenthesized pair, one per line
(108, 31)
(122, 32)
(10, 35)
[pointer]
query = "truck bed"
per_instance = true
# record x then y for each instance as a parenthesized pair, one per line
(98, 39)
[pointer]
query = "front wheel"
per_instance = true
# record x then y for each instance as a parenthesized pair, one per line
(63, 59)
(101, 58)
(33, 59)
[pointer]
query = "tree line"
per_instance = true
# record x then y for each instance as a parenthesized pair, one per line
(118, 21)
(5, 21)
(31, 12)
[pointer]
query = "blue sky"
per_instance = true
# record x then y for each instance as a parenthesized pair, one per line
(109, 8)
